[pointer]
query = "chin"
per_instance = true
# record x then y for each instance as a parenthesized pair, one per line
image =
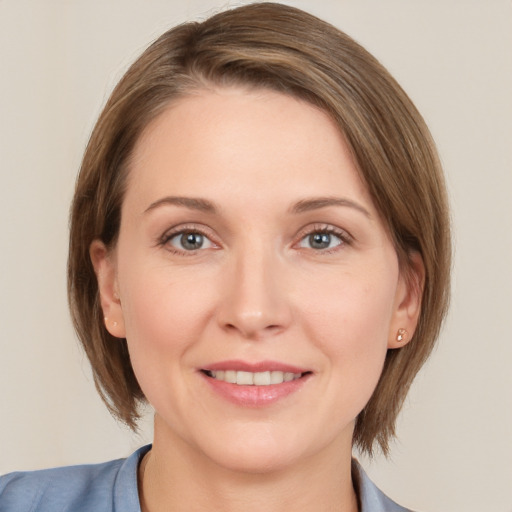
(262, 448)
(251, 460)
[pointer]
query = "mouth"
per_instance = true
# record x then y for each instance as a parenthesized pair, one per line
(246, 378)
(250, 384)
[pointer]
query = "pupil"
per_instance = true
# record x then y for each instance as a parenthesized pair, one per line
(191, 241)
(320, 240)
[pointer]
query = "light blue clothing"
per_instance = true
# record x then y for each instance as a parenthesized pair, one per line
(112, 487)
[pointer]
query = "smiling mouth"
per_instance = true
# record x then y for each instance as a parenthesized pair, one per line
(243, 378)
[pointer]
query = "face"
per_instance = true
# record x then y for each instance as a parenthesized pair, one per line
(253, 279)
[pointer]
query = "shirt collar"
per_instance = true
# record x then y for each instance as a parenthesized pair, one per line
(370, 497)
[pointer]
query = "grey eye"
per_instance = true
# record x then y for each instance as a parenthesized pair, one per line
(190, 241)
(320, 240)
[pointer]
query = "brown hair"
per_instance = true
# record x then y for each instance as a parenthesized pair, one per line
(285, 49)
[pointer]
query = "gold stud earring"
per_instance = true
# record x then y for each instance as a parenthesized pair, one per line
(114, 323)
(401, 335)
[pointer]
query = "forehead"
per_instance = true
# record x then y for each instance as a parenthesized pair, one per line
(248, 140)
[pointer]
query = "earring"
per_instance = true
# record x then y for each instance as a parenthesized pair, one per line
(114, 323)
(401, 335)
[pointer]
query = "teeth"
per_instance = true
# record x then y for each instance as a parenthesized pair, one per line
(261, 379)
(244, 378)
(254, 379)
(229, 376)
(276, 377)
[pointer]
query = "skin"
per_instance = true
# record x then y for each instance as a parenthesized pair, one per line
(258, 289)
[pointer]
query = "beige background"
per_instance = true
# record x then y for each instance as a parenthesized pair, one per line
(58, 62)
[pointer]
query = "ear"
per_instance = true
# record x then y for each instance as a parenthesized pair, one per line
(103, 262)
(407, 305)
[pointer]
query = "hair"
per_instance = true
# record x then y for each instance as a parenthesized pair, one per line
(270, 46)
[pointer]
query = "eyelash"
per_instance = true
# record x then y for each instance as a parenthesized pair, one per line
(345, 238)
(180, 231)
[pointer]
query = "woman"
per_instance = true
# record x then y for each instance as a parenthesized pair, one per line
(260, 249)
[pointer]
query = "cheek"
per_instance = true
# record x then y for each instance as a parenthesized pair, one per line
(164, 312)
(350, 322)
(161, 311)
(165, 316)
(353, 307)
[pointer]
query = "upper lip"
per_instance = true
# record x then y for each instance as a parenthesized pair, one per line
(255, 367)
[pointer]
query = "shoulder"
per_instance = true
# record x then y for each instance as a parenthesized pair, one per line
(371, 498)
(67, 488)
(95, 487)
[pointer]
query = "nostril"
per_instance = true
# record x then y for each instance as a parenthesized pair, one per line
(251, 330)
(251, 320)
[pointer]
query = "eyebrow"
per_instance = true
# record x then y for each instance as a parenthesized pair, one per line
(193, 203)
(316, 203)
(305, 205)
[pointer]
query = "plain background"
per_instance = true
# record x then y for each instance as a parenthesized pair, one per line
(58, 62)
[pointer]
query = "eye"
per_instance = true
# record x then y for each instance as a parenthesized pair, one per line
(323, 240)
(189, 241)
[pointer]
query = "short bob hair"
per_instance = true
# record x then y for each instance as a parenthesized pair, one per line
(270, 46)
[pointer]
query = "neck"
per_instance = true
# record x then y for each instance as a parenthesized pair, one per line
(174, 476)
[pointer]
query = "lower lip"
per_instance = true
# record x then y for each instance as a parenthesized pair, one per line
(255, 396)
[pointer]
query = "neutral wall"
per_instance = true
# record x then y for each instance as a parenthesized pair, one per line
(58, 62)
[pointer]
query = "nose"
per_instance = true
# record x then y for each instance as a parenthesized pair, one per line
(255, 296)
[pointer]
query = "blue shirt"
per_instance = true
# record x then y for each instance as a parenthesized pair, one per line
(112, 487)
